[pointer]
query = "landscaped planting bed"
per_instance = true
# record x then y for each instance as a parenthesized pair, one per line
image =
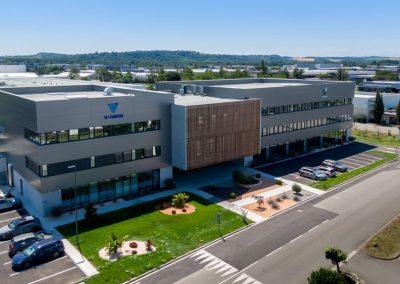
(172, 235)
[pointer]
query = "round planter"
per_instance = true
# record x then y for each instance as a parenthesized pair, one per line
(259, 181)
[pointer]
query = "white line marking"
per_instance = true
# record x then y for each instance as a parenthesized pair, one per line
(313, 228)
(325, 221)
(55, 274)
(3, 252)
(295, 239)
(16, 273)
(5, 263)
(350, 255)
(274, 251)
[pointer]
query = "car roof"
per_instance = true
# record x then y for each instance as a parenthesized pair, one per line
(27, 217)
(46, 241)
(23, 237)
(306, 168)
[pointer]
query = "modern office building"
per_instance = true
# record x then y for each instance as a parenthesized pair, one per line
(120, 143)
(296, 116)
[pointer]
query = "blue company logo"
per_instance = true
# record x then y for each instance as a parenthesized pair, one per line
(113, 108)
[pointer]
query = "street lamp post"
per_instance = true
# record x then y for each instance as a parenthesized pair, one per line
(75, 205)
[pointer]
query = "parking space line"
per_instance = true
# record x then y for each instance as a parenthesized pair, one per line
(16, 273)
(369, 159)
(5, 263)
(376, 157)
(3, 252)
(357, 165)
(354, 160)
(11, 275)
(13, 211)
(2, 221)
(55, 274)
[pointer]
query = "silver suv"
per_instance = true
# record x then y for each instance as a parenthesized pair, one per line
(20, 226)
(312, 173)
(337, 165)
(330, 172)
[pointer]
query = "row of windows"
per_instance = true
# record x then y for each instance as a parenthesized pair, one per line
(111, 189)
(304, 124)
(305, 106)
(92, 162)
(62, 136)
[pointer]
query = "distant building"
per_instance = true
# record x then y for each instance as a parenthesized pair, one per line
(380, 86)
(12, 68)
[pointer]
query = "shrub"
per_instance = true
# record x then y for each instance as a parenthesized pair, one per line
(56, 211)
(170, 183)
(232, 195)
(374, 244)
(149, 243)
(326, 276)
(270, 201)
(239, 177)
(278, 199)
(278, 182)
(284, 196)
(173, 212)
(180, 199)
(91, 216)
(275, 205)
(260, 202)
(296, 198)
(184, 210)
(133, 244)
(258, 176)
(113, 243)
(296, 188)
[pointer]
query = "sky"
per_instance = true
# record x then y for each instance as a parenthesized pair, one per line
(284, 27)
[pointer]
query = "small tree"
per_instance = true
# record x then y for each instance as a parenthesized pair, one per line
(74, 73)
(113, 243)
(342, 75)
(180, 199)
(378, 108)
(326, 276)
(296, 188)
(90, 214)
(260, 202)
(336, 255)
(298, 73)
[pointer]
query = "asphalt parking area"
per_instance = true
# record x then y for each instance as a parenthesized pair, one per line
(354, 155)
(61, 270)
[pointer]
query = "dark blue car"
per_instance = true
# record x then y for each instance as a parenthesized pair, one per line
(37, 253)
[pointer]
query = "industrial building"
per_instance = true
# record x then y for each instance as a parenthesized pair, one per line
(119, 143)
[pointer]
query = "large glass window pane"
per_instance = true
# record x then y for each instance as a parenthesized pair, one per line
(127, 185)
(118, 157)
(156, 179)
(127, 156)
(73, 135)
(98, 131)
(51, 137)
(43, 170)
(134, 184)
(84, 133)
(141, 181)
(91, 132)
(43, 138)
(118, 188)
(84, 194)
(94, 195)
(111, 189)
(149, 180)
(139, 154)
(63, 136)
(102, 191)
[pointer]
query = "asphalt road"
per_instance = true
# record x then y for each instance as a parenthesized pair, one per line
(286, 248)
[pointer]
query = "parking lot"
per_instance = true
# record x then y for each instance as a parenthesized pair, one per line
(354, 156)
(60, 270)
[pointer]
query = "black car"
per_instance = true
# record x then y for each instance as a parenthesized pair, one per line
(38, 253)
(21, 242)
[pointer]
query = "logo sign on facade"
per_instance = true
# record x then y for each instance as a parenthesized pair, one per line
(113, 108)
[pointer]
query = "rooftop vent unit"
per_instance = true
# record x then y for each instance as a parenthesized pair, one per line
(108, 91)
(183, 90)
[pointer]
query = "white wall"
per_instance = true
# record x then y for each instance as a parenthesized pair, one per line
(12, 68)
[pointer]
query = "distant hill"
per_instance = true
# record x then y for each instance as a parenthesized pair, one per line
(179, 58)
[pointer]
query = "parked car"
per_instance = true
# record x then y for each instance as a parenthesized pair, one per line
(312, 173)
(9, 203)
(21, 242)
(37, 253)
(337, 165)
(330, 172)
(20, 226)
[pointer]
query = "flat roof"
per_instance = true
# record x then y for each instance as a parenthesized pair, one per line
(260, 85)
(192, 100)
(57, 96)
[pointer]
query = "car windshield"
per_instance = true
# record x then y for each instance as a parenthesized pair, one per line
(339, 163)
(14, 224)
(29, 251)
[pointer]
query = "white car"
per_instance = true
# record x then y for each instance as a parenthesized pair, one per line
(9, 203)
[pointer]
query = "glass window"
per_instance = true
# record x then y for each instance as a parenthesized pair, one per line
(63, 136)
(51, 137)
(134, 184)
(127, 186)
(43, 170)
(127, 156)
(93, 192)
(98, 131)
(84, 133)
(133, 154)
(118, 157)
(43, 138)
(139, 154)
(118, 188)
(91, 132)
(73, 135)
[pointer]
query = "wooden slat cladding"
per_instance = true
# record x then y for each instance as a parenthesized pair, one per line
(222, 132)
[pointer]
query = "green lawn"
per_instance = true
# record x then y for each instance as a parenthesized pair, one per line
(331, 182)
(172, 235)
(377, 138)
(386, 243)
